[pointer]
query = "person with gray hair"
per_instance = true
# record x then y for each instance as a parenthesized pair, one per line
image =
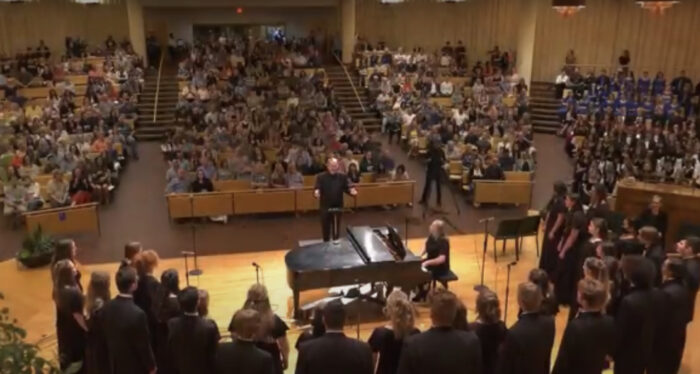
(528, 344)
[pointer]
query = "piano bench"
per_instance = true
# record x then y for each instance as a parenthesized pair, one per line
(444, 279)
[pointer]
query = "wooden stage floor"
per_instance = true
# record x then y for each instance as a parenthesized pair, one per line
(227, 277)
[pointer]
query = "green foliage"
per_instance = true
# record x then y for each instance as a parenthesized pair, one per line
(16, 355)
(36, 243)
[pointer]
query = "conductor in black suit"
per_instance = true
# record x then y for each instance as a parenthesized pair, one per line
(334, 352)
(590, 336)
(329, 189)
(528, 344)
(242, 356)
(192, 340)
(635, 317)
(433, 173)
(126, 329)
(442, 349)
(669, 341)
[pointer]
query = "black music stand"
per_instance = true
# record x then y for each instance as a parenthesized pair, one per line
(505, 311)
(196, 271)
(486, 221)
(507, 229)
(335, 226)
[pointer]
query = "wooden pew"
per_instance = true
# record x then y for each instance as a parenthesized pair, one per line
(502, 192)
(205, 204)
(518, 176)
(67, 220)
(282, 200)
(232, 185)
(77, 80)
(309, 180)
(389, 193)
(264, 201)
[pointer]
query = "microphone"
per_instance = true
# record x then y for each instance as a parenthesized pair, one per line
(487, 219)
(513, 263)
(255, 264)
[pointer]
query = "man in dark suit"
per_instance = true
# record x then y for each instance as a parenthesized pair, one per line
(669, 341)
(334, 352)
(493, 170)
(192, 340)
(442, 349)
(654, 216)
(589, 337)
(433, 173)
(242, 356)
(528, 344)
(689, 249)
(635, 317)
(126, 329)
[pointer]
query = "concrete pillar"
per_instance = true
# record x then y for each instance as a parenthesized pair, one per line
(526, 40)
(347, 21)
(134, 11)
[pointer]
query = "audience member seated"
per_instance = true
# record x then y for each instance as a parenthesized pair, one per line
(620, 127)
(77, 126)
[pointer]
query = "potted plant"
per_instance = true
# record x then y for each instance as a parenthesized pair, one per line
(37, 249)
(16, 355)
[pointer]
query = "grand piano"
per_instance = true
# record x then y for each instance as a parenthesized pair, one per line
(365, 255)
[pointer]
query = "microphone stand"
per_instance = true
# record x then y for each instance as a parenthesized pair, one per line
(505, 313)
(257, 273)
(196, 271)
(187, 272)
(480, 286)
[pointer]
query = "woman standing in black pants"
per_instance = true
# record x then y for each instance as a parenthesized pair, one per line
(553, 226)
(569, 250)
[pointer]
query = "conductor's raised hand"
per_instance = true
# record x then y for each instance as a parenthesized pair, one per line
(317, 193)
(353, 191)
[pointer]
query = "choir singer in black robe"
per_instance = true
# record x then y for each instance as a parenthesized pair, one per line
(590, 336)
(529, 341)
(329, 189)
(334, 352)
(126, 329)
(635, 317)
(192, 340)
(669, 341)
(442, 349)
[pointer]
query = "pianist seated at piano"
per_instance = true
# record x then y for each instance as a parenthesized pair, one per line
(436, 254)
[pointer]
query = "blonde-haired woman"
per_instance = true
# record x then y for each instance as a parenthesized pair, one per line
(98, 294)
(489, 328)
(386, 342)
(272, 336)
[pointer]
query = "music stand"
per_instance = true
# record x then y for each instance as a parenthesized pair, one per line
(196, 271)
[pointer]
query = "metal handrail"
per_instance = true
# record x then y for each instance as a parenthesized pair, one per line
(350, 80)
(160, 70)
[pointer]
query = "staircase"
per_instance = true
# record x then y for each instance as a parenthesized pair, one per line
(146, 127)
(543, 108)
(347, 99)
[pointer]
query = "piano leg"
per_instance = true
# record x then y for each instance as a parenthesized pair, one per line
(297, 312)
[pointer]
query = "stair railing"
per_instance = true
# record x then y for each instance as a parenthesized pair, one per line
(160, 70)
(347, 75)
